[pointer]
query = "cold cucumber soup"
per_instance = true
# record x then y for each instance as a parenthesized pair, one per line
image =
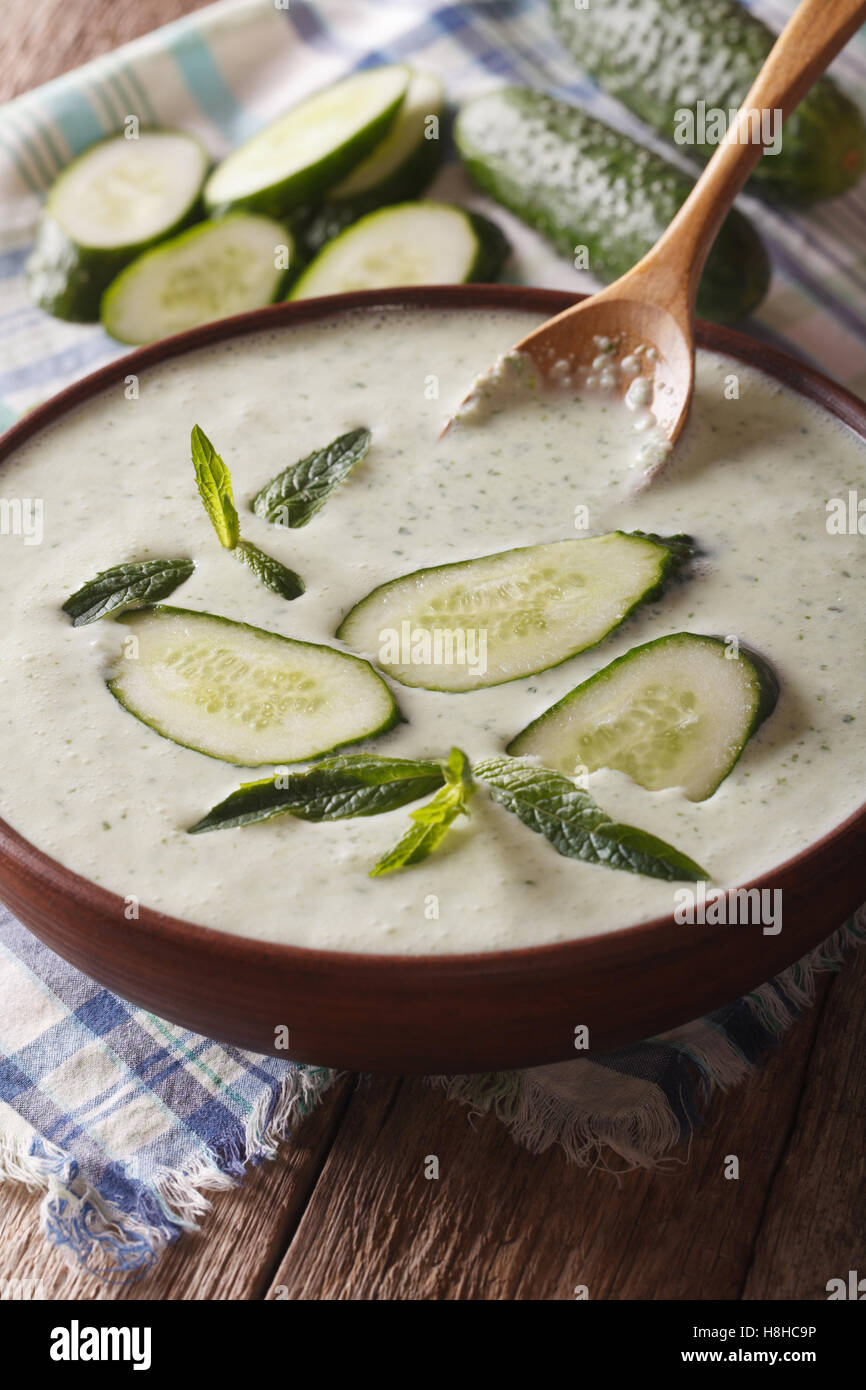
(111, 797)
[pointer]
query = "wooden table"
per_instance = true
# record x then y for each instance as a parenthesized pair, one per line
(346, 1212)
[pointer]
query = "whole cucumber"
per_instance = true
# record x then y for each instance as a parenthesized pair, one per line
(580, 183)
(663, 57)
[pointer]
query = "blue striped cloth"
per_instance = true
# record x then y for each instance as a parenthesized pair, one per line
(123, 1120)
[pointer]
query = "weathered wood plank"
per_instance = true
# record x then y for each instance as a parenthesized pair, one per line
(39, 39)
(501, 1223)
(813, 1225)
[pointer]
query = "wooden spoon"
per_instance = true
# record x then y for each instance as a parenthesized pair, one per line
(652, 306)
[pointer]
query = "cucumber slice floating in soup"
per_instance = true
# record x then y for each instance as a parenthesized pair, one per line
(676, 712)
(212, 271)
(407, 244)
(481, 622)
(243, 694)
(115, 201)
(402, 162)
(304, 152)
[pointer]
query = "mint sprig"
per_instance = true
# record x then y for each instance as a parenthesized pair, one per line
(294, 496)
(215, 489)
(338, 788)
(272, 573)
(431, 822)
(130, 585)
(568, 817)
(365, 784)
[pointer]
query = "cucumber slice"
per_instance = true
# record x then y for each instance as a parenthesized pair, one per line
(481, 622)
(408, 244)
(113, 202)
(403, 162)
(399, 168)
(676, 712)
(243, 694)
(214, 270)
(301, 154)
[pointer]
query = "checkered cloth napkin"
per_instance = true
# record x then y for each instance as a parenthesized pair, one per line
(126, 1121)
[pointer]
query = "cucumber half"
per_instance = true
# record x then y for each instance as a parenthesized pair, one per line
(407, 244)
(676, 712)
(243, 694)
(113, 202)
(478, 623)
(304, 152)
(209, 272)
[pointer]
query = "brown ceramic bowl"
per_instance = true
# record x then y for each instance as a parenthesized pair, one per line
(430, 1013)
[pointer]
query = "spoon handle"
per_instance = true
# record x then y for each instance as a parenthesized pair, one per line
(813, 36)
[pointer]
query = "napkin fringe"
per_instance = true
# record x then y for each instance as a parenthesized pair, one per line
(538, 1117)
(86, 1228)
(120, 1244)
(589, 1114)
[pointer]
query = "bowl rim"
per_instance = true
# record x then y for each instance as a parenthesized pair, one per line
(153, 926)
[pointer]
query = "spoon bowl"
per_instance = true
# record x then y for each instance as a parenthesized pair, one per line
(656, 338)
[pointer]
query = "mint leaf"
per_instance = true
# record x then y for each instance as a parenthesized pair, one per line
(130, 585)
(271, 572)
(575, 824)
(215, 489)
(432, 821)
(348, 785)
(294, 496)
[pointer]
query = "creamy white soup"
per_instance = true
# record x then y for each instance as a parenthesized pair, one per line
(107, 796)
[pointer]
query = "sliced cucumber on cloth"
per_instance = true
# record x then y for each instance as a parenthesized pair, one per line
(303, 153)
(219, 268)
(400, 167)
(112, 203)
(404, 160)
(407, 244)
